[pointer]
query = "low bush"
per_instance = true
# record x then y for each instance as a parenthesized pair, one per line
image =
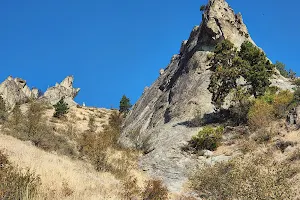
(251, 177)
(131, 189)
(96, 146)
(281, 103)
(155, 190)
(295, 156)
(240, 108)
(16, 184)
(209, 138)
(260, 114)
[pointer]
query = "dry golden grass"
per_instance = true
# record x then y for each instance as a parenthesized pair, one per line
(56, 171)
(64, 177)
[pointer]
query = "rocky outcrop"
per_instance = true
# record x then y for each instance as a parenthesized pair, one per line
(63, 90)
(179, 94)
(15, 90)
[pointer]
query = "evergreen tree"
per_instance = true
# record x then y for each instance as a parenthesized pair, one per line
(292, 74)
(202, 8)
(228, 65)
(125, 105)
(281, 68)
(61, 108)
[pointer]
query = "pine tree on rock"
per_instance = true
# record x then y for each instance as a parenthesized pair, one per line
(125, 105)
(61, 108)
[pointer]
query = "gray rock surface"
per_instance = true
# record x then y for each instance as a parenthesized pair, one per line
(15, 90)
(179, 94)
(63, 90)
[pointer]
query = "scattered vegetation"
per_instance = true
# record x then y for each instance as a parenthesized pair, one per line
(32, 126)
(16, 184)
(209, 138)
(253, 177)
(96, 146)
(61, 108)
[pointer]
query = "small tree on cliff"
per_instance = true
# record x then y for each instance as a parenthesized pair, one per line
(61, 108)
(125, 105)
(229, 65)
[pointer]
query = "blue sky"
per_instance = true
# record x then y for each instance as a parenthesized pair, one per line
(117, 47)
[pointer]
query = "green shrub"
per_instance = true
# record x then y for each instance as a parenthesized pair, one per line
(249, 177)
(209, 138)
(15, 184)
(61, 108)
(281, 68)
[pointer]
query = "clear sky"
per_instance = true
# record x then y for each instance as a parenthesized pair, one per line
(117, 47)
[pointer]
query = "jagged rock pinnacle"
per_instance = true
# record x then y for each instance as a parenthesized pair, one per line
(180, 94)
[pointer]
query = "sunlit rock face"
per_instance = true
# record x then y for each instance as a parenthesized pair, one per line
(15, 90)
(179, 94)
(63, 90)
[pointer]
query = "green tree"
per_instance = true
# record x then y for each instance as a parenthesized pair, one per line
(229, 65)
(202, 8)
(125, 105)
(225, 75)
(258, 69)
(281, 68)
(61, 108)
(292, 74)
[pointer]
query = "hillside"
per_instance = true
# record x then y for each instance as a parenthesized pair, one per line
(220, 122)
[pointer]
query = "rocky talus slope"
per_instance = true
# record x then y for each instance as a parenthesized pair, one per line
(179, 94)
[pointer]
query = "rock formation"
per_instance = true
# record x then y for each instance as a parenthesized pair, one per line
(179, 94)
(15, 90)
(63, 90)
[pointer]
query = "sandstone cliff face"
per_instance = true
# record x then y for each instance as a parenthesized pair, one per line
(180, 93)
